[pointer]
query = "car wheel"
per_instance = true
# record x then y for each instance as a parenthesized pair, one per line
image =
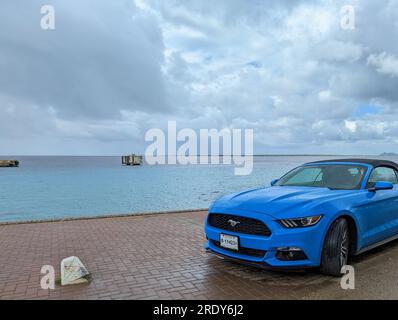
(336, 248)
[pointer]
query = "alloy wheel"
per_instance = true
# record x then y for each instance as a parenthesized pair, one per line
(344, 248)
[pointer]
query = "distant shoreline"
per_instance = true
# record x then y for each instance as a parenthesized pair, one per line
(255, 155)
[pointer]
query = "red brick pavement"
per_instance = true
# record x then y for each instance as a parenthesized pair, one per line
(136, 257)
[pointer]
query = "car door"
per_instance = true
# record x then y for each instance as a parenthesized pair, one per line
(380, 212)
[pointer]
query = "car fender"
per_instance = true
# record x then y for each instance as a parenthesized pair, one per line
(343, 213)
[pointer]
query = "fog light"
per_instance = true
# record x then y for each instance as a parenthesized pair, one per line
(290, 254)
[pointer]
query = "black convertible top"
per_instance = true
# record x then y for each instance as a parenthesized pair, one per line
(373, 162)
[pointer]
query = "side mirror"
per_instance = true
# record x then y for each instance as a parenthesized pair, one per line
(382, 185)
(273, 182)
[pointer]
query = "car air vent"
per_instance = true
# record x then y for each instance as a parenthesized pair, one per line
(245, 251)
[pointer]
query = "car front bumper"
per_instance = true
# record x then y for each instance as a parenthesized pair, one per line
(309, 240)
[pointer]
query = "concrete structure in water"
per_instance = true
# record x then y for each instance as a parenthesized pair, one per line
(132, 160)
(9, 163)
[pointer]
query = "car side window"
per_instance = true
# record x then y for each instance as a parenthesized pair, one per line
(382, 174)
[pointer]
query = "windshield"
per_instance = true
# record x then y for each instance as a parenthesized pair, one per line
(336, 176)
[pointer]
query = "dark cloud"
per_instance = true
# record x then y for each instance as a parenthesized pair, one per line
(100, 59)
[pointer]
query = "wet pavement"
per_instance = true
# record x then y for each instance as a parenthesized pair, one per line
(161, 256)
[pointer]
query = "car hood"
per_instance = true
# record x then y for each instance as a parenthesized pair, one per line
(279, 201)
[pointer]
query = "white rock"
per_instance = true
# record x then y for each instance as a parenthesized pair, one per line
(73, 271)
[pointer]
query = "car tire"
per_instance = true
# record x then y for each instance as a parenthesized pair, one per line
(336, 248)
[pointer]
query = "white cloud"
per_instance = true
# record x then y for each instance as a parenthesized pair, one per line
(325, 96)
(384, 63)
(351, 126)
(309, 21)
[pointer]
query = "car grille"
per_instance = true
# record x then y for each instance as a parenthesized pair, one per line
(245, 251)
(244, 225)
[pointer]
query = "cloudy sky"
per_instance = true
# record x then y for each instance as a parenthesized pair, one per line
(111, 70)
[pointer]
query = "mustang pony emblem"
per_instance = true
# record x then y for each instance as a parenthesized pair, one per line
(233, 223)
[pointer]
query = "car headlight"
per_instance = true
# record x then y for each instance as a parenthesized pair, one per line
(300, 222)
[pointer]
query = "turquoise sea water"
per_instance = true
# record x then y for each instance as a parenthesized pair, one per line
(59, 187)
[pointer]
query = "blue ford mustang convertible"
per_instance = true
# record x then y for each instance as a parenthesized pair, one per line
(316, 215)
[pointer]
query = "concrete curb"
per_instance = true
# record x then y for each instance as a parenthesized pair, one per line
(108, 216)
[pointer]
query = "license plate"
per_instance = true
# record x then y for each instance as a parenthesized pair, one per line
(229, 242)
